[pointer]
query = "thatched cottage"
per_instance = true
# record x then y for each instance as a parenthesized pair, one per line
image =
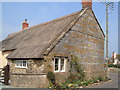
(36, 50)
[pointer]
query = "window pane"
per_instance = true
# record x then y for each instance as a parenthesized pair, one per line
(56, 61)
(56, 64)
(56, 67)
(62, 67)
(24, 63)
(62, 64)
(62, 61)
(19, 63)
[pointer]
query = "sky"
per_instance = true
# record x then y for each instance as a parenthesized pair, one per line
(119, 27)
(14, 13)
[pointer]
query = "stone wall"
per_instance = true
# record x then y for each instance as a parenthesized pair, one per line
(34, 66)
(33, 76)
(49, 66)
(29, 80)
(86, 41)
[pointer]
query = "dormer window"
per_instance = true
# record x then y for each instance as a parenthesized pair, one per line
(59, 64)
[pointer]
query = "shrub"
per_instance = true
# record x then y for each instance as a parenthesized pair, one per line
(100, 78)
(75, 78)
(72, 78)
(51, 77)
(115, 66)
(78, 68)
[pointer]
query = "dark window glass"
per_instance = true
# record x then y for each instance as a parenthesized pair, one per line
(56, 64)
(62, 64)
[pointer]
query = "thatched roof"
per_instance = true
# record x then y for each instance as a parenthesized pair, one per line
(38, 40)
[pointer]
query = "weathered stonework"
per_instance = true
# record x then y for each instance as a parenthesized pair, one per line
(34, 66)
(33, 76)
(86, 41)
(31, 81)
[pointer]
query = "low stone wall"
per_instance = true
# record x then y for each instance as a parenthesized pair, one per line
(29, 80)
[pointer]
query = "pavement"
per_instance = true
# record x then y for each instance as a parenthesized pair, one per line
(4, 86)
(112, 84)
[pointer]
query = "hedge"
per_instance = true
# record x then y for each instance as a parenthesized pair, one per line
(115, 66)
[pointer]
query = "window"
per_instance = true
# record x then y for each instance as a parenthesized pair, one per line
(62, 64)
(56, 64)
(59, 64)
(21, 64)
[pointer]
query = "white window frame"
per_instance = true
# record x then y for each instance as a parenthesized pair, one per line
(59, 64)
(19, 66)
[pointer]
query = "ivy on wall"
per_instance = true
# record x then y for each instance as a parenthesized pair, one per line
(76, 70)
(51, 77)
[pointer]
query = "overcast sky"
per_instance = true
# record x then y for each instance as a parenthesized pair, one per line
(14, 13)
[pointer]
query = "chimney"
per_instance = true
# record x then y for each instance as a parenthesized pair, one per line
(87, 3)
(114, 55)
(25, 24)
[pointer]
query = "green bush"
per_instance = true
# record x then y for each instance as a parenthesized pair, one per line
(86, 83)
(76, 75)
(51, 77)
(100, 78)
(76, 66)
(115, 66)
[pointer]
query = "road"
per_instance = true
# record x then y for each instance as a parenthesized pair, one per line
(112, 84)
